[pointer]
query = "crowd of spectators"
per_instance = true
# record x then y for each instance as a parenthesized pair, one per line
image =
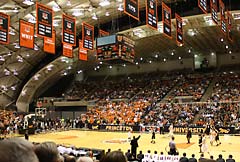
(226, 88)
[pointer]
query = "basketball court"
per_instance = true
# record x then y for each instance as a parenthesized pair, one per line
(118, 140)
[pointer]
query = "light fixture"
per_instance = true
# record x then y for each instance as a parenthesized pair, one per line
(94, 16)
(36, 77)
(11, 31)
(65, 73)
(77, 13)
(212, 53)
(49, 67)
(69, 3)
(179, 57)
(55, 23)
(230, 52)
(15, 72)
(172, 53)
(189, 51)
(104, 3)
(36, 47)
(56, 8)
(69, 67)
(226, 46)
(101, 62)
(32, 20)
(221, 40)
(195, 56)
(110, 67)
(164, 59)
(2, 58)
(79, 71)
(120, 7)
(28, 2)
(107, 14)
(156, 56)
(16, 46)
(13, 88)
(124, 65)
(136, 63)
(150, 62)
(141, 58)
(95, 69)
(15, 10)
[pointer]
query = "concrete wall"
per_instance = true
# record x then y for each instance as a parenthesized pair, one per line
(228, 59)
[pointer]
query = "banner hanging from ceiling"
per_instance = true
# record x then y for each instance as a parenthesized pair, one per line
(179, 30)
(67, 50)
(49, 43)
(4, 28)
(222, 17)
(151, 14)
(131, 7)
(214, 10)
(82, 53)
(44, 17)
(87, 36)
(26, 35)
(202, 4)
(102, 33)
(68, 30)
(229, 24)
(166, 18)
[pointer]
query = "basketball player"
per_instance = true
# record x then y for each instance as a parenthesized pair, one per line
(217, 138)
(153, 136)
(170, 131)
(129, 135)
(212, 136)
(204, 147)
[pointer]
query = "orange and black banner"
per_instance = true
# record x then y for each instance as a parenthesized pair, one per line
(49, 44)
(4, 28)
(179, 30)
(87, 36)
(166, 18)
(202, 4)
(68, 30)
(222, 17)
(229, 23)
(152, 14)
(102, 33)
(67, 50)
(44, 21)
(82, 53)
(26, 34)
(214, 10)
(131, 7)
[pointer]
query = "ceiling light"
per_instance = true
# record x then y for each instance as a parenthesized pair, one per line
(2, 58)
(9, 54)
(69, 67)
(32, 20)
(95, 69)
(16, 46)
(212, 53)
(77, 13)
(221, 40)
(15, 72)
(23, 93)
(104, 3)
(156, 56)
(226, 46)
(107, 14)
(179, 58)
(80, 71)
(11, 31)
(65, 73)
(36, 47)
(120, 7)
(124, 65)
(189, 51)
(136, 63)
(164, 59)
(208, 20)
(94, 16)
(101, 62)
(15, 10)
(13, 88)
(141, 58)
(195, 56)
(56, 8)
(110, 67)
(69, 3)
(172, 53)
(150, 62)
(230, 52)
(28, 2)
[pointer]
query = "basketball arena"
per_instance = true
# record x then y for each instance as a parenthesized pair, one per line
(119, 80)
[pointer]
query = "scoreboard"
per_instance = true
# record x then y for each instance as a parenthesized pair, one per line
(115, 47)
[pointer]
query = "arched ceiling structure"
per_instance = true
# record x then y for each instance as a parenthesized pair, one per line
(21, 66)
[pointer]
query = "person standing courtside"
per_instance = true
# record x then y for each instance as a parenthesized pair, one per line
(189, 135)
(134, 145)
(172, 146)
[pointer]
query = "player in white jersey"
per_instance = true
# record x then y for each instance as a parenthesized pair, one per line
(171, 130)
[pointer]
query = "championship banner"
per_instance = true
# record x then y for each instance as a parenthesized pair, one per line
(229, 24)
(4, 28)
(67, 50)
(214, 10)
(179, 30)
(44, 18)
(68, 30)
(151, 14)
(26, 34)
(87, 36)
(131, 7)
(82, 53)
(202, 4)
(222, 17)
(166, 18)
(102, 33)
(49, 44)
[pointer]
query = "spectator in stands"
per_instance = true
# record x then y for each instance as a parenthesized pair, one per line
(17, 150)
(140, 156)
(230, 159)
(85, 159)
(128, 155)
(201, 159)
(192, 159)
(184, 158)
(47, 152)
(114, 156)
(220, 158)
(172, 146)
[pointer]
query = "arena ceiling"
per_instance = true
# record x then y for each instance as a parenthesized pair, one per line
(200, 34)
